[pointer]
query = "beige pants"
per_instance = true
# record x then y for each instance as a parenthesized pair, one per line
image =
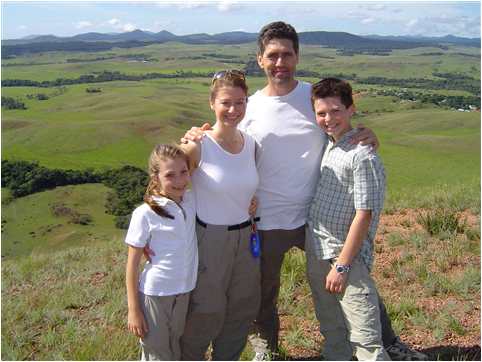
(359, 306)
(165, 317)
(226, 298)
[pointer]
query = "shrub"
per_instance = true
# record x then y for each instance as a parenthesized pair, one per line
(441, 221)
(93, 90)
(42, 97)
(11, 103)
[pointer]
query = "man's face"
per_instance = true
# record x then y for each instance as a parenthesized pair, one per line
(332, 116)
(279, 61)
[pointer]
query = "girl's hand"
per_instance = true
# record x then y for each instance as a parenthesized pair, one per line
(335, 282)
(195, 134)
(253, 206)
(136, 323)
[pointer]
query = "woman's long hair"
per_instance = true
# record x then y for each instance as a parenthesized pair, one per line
(160, 152)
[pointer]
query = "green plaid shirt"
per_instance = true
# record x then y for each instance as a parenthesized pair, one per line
(352, 177)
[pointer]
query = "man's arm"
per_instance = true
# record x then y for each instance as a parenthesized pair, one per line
(335, 282)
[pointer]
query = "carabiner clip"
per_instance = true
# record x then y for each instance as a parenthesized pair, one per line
(254, 242)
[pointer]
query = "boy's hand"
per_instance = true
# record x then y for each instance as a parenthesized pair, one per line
(195, 134)
(335, 282)
(365, 136)
(136, 323)
(253, 206)
(148, 252)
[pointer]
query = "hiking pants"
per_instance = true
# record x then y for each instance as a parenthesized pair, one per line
(226, 298)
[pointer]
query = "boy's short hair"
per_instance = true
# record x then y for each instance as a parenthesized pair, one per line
(277, 30)
(332, 87)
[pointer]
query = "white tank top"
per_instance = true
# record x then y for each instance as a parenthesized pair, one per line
(224, 183)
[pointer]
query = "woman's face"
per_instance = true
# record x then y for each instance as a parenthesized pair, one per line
(229, 105)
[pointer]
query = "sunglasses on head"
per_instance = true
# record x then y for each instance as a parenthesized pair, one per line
(233, 73)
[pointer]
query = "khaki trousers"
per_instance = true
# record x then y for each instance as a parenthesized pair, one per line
(165, 317)
(358, 304)
(226, 298)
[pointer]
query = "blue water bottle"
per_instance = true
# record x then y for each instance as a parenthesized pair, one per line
(255, 243)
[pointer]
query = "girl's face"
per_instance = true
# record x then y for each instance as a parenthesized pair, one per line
(173, 178)
(229, 105)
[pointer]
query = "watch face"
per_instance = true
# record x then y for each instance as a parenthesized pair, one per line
(340, 269)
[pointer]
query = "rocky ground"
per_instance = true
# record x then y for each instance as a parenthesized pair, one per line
(443, 322)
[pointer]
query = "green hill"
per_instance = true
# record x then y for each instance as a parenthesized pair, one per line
(63, 271)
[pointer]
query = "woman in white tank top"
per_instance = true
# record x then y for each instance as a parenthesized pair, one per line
(227, 294)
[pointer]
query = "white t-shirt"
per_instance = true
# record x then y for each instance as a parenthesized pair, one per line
(173, 268)
(289, 155)
(224, 183)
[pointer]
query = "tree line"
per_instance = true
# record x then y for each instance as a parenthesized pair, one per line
(437, 99)
(453, 81)
(105, 76)
(128, 184)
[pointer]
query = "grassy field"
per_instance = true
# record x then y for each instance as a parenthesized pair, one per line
(424, 148)
(30, 227)
(63, 282)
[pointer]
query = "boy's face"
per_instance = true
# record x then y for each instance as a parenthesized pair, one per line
(279, 61)
(333, 117)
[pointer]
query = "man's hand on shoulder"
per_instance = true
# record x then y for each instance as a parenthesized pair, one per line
(365, 136)
(195, 134)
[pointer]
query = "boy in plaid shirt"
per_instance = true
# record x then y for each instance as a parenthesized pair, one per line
(342, 222)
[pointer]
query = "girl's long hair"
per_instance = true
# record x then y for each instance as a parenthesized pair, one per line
(160, 152)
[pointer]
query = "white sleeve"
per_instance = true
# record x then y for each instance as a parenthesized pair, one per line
(138, 234)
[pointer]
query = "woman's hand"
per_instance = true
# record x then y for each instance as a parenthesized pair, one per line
(148, 252)
(136, 323)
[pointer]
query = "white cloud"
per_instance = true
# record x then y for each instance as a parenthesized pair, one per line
(376, 7)
(227, 5)
(114, 22)
(129, 27)
(22, 27)
(412, 23)
(118, 24)
(189, 4)
(83, 24)
(368, 21)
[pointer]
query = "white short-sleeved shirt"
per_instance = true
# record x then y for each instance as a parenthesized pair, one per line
(289, 154)
(173, 268)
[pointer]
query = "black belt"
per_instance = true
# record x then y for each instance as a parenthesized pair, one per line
(230, 227)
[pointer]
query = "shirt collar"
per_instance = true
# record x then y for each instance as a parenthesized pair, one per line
(345, 138)
(163, 201)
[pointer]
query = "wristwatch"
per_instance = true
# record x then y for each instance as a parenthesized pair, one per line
(342, 268)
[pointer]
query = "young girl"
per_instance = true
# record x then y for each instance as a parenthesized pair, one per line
(227, 294)
(158, 300)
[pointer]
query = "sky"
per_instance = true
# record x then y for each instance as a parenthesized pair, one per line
(61, 18)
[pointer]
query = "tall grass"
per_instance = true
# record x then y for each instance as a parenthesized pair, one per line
(70, 305)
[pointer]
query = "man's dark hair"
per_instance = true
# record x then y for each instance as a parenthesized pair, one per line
(332, 87)
(277, 30)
